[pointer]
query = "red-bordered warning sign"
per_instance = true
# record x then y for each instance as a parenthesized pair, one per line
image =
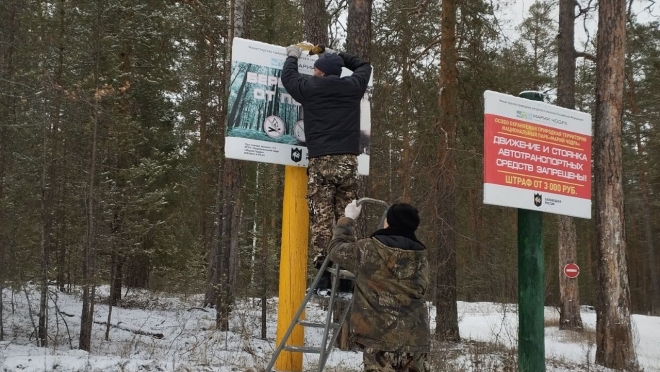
(536, 156)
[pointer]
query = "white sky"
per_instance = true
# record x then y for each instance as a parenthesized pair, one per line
(644, 10)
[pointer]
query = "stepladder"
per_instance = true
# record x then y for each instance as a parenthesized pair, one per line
(330, 327)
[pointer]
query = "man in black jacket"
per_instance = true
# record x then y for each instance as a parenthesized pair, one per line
(331, 111)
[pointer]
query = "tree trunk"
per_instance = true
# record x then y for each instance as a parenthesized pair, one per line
(9, 25)
(87, 315)
(204, 107)
(116, 279)
(49, 174)
(316, 21)
(2, 306)
(227, 218)
(266, 229)
(225, 241)
(569, 291)
(358, 42)
(445, 300)
(113, 275)
(406, 167)
(358, 33)
(614, 340)
(647, 216)
(46, 222)
(61, 252)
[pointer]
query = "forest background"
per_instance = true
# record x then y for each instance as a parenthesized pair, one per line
(112, 122)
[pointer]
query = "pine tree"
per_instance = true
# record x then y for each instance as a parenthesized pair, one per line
(614, 341)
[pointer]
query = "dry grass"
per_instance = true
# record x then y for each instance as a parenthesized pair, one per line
(586, 335)
(473, 356)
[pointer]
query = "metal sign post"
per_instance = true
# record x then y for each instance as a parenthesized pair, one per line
(537, 158)
(531, 270)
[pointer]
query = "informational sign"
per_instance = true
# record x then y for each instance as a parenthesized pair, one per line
(571, 270)
(537, 156)
(264, 123)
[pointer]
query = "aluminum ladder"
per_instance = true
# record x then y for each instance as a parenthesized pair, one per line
(329, 325)
(325, 348)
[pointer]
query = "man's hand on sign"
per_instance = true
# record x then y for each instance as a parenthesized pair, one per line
(321, 50)
(293, 51)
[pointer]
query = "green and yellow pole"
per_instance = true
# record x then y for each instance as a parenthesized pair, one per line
(293, 265)
(531, 338)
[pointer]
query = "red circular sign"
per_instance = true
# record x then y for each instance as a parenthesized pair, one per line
(572, 270)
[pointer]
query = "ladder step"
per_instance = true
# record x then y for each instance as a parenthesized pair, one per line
(343, 274)
(337, 298)
(303, 349)
(317, 325)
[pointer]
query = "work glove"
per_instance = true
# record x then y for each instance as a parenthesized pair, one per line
(321, 50)
(353, 210)
(293, 51)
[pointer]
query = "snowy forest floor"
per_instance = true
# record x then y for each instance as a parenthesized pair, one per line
(166, 332)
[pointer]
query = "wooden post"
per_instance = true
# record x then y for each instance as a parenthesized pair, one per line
(293, 264)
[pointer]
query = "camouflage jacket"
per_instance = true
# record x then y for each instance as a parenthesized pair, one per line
(392, 274)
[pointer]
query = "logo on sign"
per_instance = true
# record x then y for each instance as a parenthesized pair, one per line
(296, 154)
(538, 200)
(521, 114)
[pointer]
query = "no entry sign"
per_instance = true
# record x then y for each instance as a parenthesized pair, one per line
(572, 270)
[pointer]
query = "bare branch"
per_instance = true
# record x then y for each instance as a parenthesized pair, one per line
(465, 59)
(586, 55)
(425, 50)
(582, 11)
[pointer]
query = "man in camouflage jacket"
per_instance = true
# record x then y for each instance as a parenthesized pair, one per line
(389, 316)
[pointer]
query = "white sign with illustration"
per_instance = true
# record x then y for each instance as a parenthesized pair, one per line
(264, 122)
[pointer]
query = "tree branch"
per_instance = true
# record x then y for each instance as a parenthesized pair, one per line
(586, 55)
(424, 51)
(135, 331)
(581, 10)
(464, 59)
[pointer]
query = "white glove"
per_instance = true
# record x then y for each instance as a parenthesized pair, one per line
(293, 51)
(353, 210)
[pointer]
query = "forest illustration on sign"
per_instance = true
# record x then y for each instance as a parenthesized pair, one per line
(260, 108)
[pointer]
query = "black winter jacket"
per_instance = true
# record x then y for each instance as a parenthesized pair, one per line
(331, 106)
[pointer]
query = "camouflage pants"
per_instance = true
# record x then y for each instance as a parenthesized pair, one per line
(331, 185)
(387, 361)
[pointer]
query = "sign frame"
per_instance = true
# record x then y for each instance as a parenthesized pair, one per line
(537, 156)
(258, 102)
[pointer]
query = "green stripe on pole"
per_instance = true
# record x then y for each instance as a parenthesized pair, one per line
(531, 338)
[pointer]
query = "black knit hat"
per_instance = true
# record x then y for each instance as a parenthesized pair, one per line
(330, 64)
(403, 216)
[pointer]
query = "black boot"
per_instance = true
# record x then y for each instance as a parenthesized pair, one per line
(324, 285)
(345, 285)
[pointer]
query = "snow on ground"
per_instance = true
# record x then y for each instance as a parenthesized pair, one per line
(189, 342)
